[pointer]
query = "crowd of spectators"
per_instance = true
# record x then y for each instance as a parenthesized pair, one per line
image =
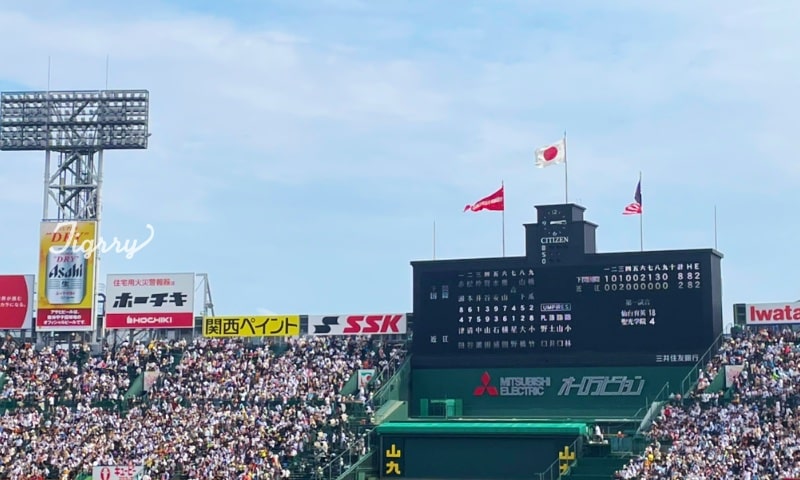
(751, 433)
(223, 410)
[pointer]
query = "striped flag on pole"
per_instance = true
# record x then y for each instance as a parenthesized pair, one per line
(635, 208)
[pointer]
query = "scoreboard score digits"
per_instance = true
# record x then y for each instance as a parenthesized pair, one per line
(614, 309)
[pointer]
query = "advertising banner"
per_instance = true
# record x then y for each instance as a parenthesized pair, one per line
(117, 472)
(16, 302)
(392, 457)
(517, 392)
(731, 372)
(252, 326)
(65, 300)
(765, 314)
(372, 324)
(150, 301)
(365, 375)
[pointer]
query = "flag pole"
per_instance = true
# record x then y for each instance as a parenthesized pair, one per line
(566, 174)
(641, 219)
(715, 227)
(434, 239)
(503, 217)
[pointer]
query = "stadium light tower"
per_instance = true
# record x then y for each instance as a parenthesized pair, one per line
(77, 126)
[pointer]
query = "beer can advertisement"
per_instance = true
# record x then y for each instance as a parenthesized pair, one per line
(65, 301)
(16, 302)
(150, 301)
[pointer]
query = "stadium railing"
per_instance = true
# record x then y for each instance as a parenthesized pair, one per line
(691, 378)
(351, 460)
(654, 407)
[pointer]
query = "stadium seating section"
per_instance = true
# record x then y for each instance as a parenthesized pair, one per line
(229, 410)
(218, 410)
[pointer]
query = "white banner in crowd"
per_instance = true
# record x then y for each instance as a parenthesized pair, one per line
(731, 372)
(150, 378)
(365, 375)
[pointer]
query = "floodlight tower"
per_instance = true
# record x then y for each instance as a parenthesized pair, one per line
(76, 126)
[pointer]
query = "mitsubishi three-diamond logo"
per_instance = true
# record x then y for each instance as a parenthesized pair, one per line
(485, 387)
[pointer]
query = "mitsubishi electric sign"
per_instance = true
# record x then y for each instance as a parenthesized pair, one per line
(587, 386)
(512, 386)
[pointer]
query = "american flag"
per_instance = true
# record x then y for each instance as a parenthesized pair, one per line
(635, 208)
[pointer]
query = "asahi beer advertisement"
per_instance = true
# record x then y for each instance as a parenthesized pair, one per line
(65, 298)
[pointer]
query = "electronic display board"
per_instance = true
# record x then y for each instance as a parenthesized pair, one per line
(637, 308)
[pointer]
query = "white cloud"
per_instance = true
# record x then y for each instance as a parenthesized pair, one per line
(427, 108)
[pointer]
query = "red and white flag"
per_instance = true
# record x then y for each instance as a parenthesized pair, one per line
(552, 154)
(635, 208)
(494, 202)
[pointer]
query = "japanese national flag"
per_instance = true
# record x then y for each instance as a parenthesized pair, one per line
(552, 154)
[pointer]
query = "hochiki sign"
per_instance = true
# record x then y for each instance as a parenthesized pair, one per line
(161, 301)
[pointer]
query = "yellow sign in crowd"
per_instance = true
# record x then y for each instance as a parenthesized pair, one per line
(252, 326)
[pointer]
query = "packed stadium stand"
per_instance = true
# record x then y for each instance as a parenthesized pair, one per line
(220, 409)
(749, 431)
(227, 409)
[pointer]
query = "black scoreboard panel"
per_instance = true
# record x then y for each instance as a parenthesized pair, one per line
(615, 309)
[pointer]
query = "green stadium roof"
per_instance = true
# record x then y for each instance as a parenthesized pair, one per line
(482, 428)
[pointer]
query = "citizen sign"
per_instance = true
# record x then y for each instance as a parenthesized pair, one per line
(552, 240)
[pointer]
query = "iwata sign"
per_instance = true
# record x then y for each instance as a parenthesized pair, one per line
(150, 301)
(117, 472)
(772, 313)
(374, 324)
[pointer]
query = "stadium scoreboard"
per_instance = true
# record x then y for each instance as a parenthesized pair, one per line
(568, 307)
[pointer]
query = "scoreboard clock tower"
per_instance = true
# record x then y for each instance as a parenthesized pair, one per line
(560, 237)
(564, 304)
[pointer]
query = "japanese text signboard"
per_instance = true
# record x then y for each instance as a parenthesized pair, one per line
(393, 457)
(150, 301)
(67, 259)
(622, 309)
(16, 302)
(252, 326)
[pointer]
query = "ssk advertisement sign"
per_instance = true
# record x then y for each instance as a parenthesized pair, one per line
(150, 301)
(772, 313)
(372, 324)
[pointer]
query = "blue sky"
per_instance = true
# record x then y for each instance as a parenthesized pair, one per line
(301, 150)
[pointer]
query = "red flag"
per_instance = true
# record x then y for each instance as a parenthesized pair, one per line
(494, 202)
(635, 208)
